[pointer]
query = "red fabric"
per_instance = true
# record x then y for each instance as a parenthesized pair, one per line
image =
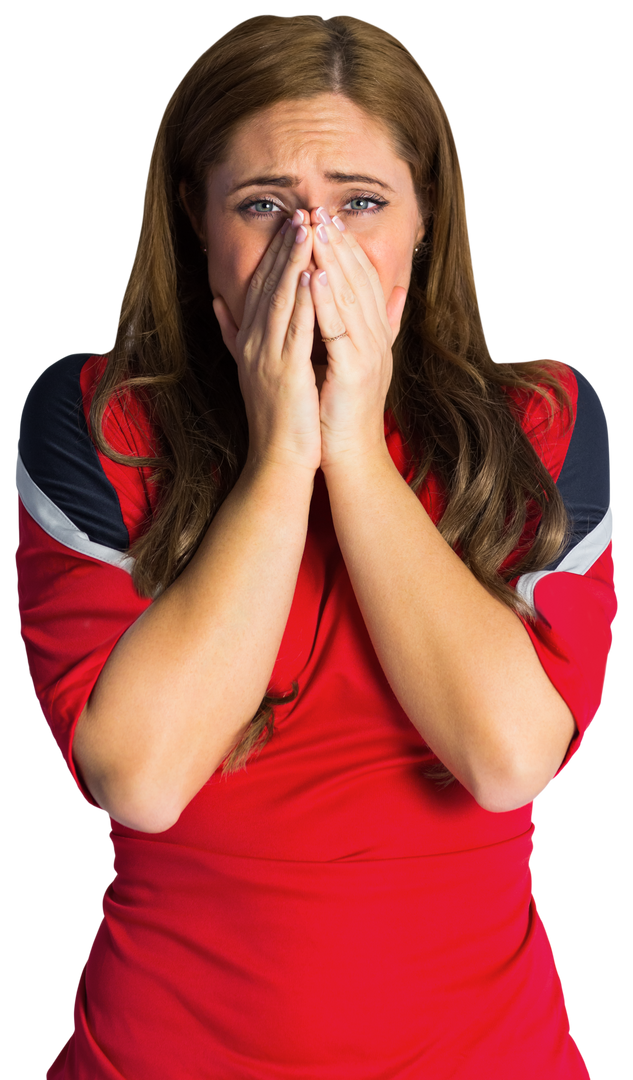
(572, 637)
(329, 912)
(74, 609)
(127, 431)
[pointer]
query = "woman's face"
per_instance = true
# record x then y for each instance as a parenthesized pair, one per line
(321, 151)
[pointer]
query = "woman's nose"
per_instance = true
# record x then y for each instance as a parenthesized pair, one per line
(317, 216)
(305, 217)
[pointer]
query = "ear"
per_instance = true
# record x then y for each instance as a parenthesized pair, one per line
(427, 201)
(183, 191)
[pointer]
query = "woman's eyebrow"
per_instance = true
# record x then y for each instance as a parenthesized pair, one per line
(356, 178)
(294, 181)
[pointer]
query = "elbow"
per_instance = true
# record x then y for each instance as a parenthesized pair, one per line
(504, 789)
(132, 806)
(115, 788)
(143, 815)
(513, 770)
(147, 817)
(501, 799)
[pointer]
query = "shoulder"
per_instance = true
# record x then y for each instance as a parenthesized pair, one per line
(75, 493)
(567, 429)
(55, 402)
(532, 407)
(583, 479)
(572, 442)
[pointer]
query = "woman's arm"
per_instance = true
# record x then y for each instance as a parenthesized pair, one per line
(459, 661)
(184, 681)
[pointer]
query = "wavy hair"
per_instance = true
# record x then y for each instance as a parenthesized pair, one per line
(448, 398)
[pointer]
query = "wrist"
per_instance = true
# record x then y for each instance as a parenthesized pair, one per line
(270, 469)
(360, 464)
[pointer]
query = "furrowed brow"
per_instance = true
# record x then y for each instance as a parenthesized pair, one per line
(294, 181)
(267, 181)
(356, 178)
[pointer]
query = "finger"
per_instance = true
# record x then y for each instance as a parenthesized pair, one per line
(294, 238)
(394, 306)
(301, 326)
(363, 259)
(328, 316)
(282, 300)
(355, 300)
(350, 283)
(264, 268)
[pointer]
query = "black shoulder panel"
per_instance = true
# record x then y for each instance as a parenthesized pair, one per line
(59, 455)
(584, 478)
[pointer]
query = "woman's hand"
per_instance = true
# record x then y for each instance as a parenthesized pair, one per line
(349, 300)
(272, 349)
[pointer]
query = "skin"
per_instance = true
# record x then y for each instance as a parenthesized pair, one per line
(460, 663)
(308, 148)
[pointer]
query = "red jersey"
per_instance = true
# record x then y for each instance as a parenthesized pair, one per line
(329, 913)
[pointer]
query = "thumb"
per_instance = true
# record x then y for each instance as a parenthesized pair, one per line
(228, 328)
(395, 307)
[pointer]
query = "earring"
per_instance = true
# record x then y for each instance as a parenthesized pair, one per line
(204, 250)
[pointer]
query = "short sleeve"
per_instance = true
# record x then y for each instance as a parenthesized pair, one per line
(75, 588)
(573, 598)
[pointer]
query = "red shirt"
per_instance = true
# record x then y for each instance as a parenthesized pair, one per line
(329, 912)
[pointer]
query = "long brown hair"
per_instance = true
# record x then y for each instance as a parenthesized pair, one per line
(447, 396)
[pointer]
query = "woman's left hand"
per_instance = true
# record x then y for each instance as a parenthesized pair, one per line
(349, 300)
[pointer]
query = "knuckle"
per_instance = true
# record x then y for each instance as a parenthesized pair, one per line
(247, 350)
(348, 298)
(256, 281)
(271, 282)
(296, 252)
(278, 300)
(336, 328)
(360, 279)
(295, 332)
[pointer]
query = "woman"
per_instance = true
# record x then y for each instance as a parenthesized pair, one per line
(299, 521)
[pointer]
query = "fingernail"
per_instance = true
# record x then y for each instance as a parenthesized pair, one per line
(284, 228)
(297, 218)
(323, 216)
(322, 235)
(339, 224)
(323, 277)
(305, 278)
(302, 232)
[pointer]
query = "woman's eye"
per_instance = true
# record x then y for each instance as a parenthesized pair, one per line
(261, 208)
(364, 204)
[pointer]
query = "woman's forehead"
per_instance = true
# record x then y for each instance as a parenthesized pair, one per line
(327, 116)
(328, 136)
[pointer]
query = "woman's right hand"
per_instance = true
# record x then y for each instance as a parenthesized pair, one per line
(272, 349)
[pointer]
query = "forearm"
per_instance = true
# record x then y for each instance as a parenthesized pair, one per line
(459, 661)
(185, 680)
